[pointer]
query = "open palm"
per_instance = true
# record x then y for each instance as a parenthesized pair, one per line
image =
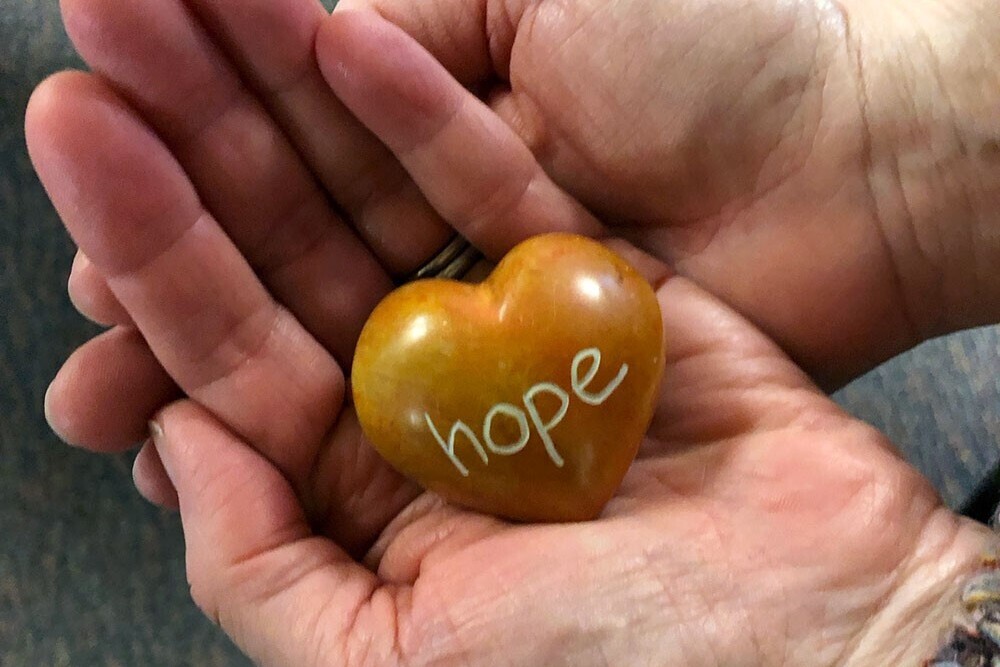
(804, 160)
(204, 212)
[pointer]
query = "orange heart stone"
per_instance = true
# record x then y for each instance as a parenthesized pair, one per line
(525, 396)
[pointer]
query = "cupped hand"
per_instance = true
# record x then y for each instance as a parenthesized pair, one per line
(231, 104)
(829, 169)
(202, 134)
(759, 526)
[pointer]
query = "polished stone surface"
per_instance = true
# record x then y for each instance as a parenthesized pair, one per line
(524, 396)
(92, 575)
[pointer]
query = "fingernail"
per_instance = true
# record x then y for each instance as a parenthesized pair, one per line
(156, 431)
(157, 436)
(46, 407)
(50, 417)
(137, 477)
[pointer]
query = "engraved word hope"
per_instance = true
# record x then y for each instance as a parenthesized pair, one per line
(581, 388)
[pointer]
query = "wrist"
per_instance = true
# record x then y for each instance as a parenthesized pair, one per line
(930, 89)
(925, 605)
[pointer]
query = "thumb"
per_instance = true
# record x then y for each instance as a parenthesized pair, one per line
(285, 596)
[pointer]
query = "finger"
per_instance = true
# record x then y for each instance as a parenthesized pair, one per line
(271, 43)
(106, 392)
(285, 596)
(242, 166)
(186, 301)
(470, 38)
(352, 493)
(88, 290)
(445, 138)
(151, 479)
(131, 209)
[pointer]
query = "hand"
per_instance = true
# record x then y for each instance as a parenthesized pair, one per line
(829, 169)
(773, 152)
(760, 525)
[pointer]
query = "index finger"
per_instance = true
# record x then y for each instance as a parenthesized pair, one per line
(472, 168)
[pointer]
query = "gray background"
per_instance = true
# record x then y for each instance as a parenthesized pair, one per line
(92, 575)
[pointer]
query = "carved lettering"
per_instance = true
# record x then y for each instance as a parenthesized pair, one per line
(522, 423)
(546, 427)
(580, 386)
(580, 389)
(449, 449)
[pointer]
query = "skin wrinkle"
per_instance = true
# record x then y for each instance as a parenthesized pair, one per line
(520, 112)
(412, 538)
(382, 184)
(315, 635)
(428, 637)
(247, 568)
(822, 88)
(939, 319)
(761, 191)
(351, 632)
(964, 151)
(300, 73)
(767, 47)
(421, 506)
(497, 204)
(524, 33)
(732, 14)
(698, 619)
(854, 48)
(266, 263)
(246, 352)
(622, 222)
(744, 608)
(320, 492)
(321, 566)
(186, 140)
(131, 271)
(882, 602)
(934, 62)
(454, 36)
(165, 208)
(919, 244)
(247, 355)
(402, 604)
(271, 89)
(370, 221)
(717, 547)
(502, 30)
(442, 124)
(325, 630)
(849, 654)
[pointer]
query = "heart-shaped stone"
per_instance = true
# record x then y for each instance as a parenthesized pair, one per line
(525, 396)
